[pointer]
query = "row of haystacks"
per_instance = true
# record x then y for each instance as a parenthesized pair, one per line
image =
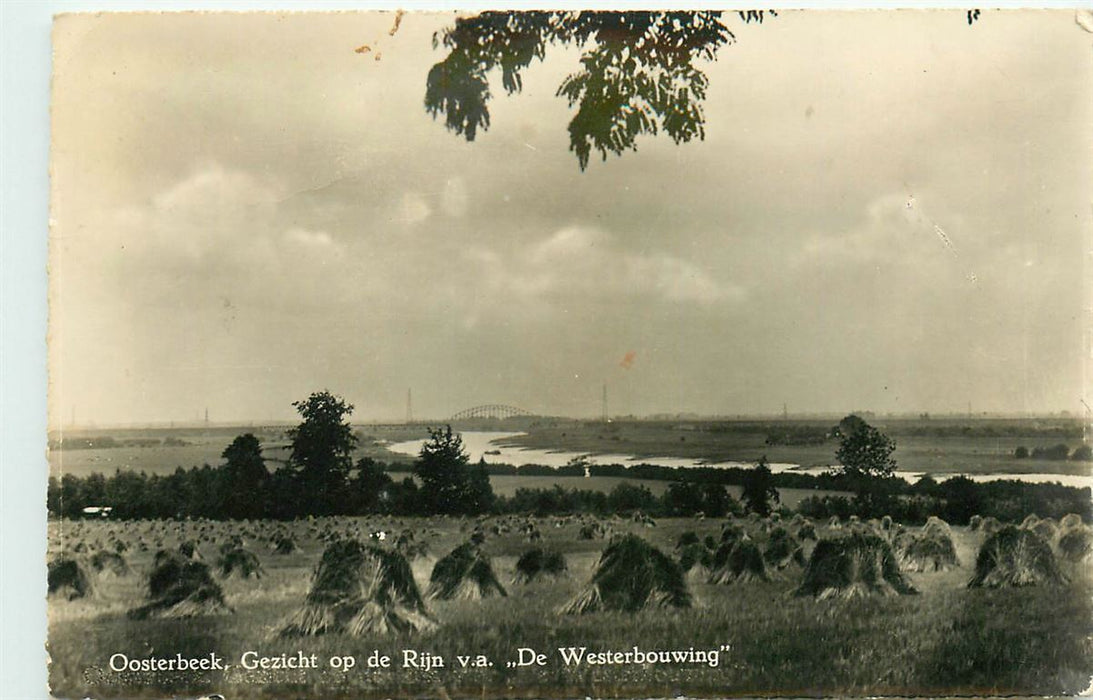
(360, 588)
(71, 576)
(1071, 538)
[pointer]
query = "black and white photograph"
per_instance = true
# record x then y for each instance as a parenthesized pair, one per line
(570, 354)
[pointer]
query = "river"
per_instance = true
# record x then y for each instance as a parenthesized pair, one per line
(482, 444)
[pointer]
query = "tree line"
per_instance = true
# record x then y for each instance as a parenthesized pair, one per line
(321, 478)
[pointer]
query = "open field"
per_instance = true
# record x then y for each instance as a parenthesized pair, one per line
(946, 640)
(934, 446)
(972, 447)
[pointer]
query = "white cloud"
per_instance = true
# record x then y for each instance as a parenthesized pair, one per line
(454, 199)
(314, 240)
(413, 208)
(589, 263)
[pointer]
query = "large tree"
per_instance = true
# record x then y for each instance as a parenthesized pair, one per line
(640, 71)
(448, 485)
(322, 452)
(759, 494)
(243, 478)
(865, 456)
(864, 450)
(371, 487)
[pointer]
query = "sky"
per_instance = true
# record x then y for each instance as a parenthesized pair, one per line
(890, 211)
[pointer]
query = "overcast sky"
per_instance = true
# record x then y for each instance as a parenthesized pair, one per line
(890, 211)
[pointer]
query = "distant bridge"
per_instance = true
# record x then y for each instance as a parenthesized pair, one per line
(491, 410)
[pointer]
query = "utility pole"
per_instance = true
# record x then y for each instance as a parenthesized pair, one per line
(409, 408)
(604, 403)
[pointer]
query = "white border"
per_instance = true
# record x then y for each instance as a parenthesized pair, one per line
(24, 197)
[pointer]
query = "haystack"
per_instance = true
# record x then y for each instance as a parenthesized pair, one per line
(590, 531)
(109, 563)
(730, 532)
(783, 549)
(1015, 557)
(537, 563)
(686, 538)
(1046, 529)
(990, 525)
(411, 547)
(738, 562)
(67, 578)
(237, 561)
(465, 573)
(632, 575)
(360, 589)
(696, 561)
(1030, 520)
(180, 587)
(936, 526)
(851, 566)
(189, 549)
(931, 550)
(1076, 543)
(283, 544)
(1070, 520)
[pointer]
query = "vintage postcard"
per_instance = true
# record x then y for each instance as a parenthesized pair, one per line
(565, 354)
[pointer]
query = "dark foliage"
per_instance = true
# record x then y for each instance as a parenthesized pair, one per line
(637, 71)
(449, 484)
(759, 493)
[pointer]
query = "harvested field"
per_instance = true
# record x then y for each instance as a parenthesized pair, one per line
(949, 638)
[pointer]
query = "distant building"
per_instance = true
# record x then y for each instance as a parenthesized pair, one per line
(97, 511)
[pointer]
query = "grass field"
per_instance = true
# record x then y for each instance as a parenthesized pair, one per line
(946, 640)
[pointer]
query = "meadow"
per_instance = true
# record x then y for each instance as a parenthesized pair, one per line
(948, 639)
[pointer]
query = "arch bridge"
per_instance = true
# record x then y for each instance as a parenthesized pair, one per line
(491, 410)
